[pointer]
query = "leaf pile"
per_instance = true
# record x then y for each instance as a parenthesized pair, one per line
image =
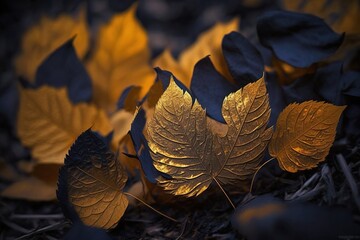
(198, 125)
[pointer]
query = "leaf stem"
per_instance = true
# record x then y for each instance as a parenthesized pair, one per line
(257, 170)
(155, 210)
(228, 198)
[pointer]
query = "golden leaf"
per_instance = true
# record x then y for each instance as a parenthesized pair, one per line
(48, 123)
(121, 58)
(94, 182)
(32, 189)
(304, 134)
(194, 149)
(208, 43)
(43, 38)
(121, 122)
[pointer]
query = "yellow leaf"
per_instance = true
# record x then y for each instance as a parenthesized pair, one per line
(121, 58)
(121, 122)
(48, 123)
(43, 38)
(32, 189)
(195, 150)
(92, 181)
(208, 43)
(304, 134)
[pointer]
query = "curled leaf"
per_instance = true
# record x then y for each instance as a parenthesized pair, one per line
(91, 181)
(304, 134)
(195, 150)
(43, 38)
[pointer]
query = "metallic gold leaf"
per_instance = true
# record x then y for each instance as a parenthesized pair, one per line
(48, 123)
(92, 181)
(195, 150)
(121, 58)
(208, 43)
(43, 38)
(304, 134)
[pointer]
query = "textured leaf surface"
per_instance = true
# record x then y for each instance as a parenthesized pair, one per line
(304, 134)
(48, 123)
(43, 38)
(121, 58)
(194, 150)
(208, 43)
(92, 181)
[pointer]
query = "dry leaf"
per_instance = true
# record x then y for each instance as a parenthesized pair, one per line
(194, 150)
(48, 123)
(92, 181)
(46, 36)
(340, 15)
(208, 43)
(304, 134)
(121, 122)
(121, 58)
(32, 189)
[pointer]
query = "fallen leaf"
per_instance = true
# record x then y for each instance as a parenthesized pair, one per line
(208, 43)
(121, 122)
(48, 34)
(340, 15)
(32, 189)
(121, 58)
(195, 150)
(304, 134)
(48, 123)
(129, 99)
(297, 39)
(91, 181)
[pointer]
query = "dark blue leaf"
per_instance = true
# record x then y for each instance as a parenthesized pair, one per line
(277, 99)
(302, 89)
(266, 217)
(129, 98)
(165, 76)
(142, 148)
(62, 68)
(351, 84)
(296, 38)
(210, 88)
(243, 59)
(81, 231)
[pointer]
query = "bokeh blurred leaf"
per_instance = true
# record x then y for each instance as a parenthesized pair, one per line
(120, 59)
(304, 134)
(195, 150)
(342, 16)
(62, 68)
(48, 123)
(91, 181)
(297, 39)
(31, 188)
(47, 35)
(208, 43)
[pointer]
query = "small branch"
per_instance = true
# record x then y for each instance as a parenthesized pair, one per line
(224, 192)
(257, 170)
(349, 178)
(157, 211)
(44, 229)
(36, 216)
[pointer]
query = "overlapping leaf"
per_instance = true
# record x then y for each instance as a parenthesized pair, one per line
(48, 123)
(121, 58)
(304, 134)
(195, 150)
(43, 38)
(91, 183)
(208, 43)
